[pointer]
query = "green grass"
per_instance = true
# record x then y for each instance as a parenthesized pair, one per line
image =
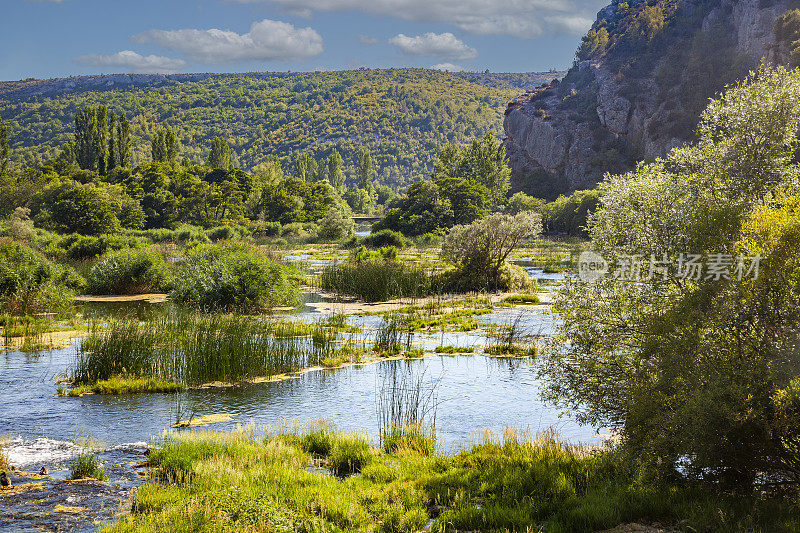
(454, 349)
(375, 281)
(241, 482)
(197, 349)
(87, 466)
(126, 385)
(522, 299)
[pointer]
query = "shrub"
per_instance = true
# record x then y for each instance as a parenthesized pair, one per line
(29, 283)
(479, 251)
(130, 272)
(87, 247)
(221, 233)
(234, 278)
(86, 466)
(334, 225)
(187, 233)
(385, 237)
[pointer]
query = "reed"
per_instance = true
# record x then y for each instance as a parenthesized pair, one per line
(406, 409)
(394, 335)
(196, 349)
(375, 281)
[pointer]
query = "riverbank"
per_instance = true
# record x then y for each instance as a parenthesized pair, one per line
(240, 481)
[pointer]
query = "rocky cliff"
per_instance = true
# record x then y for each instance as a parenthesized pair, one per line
(642, 76)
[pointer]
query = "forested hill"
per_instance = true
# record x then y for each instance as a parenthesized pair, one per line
(403, 115)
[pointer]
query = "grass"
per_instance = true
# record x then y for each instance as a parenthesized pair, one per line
(454, 349)
(87, 466)
(522, 299)
(375, 281)
(193, 350)
(126, 385)
(242, 482)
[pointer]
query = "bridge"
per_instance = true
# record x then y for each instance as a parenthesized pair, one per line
(365, 219)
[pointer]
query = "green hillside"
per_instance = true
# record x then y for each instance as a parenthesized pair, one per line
(403, 115)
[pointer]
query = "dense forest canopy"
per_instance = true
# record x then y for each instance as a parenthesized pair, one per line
(403, 115)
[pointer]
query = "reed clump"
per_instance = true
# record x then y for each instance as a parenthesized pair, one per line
(196, 349)
(375, 280)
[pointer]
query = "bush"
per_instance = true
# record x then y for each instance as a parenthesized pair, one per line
(221, 233)
(88, 247)
(193, 234)
(130, 272)
(234, 278)
(334, 225)
(30, 284)
(385, 237)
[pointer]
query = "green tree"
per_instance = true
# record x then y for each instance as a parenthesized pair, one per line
(164, 146)
(91, 138)
(4, 150)
(334, 171)
(305, 167)
(697, 373)
(123, 142)
(364, 170)
(220, 156)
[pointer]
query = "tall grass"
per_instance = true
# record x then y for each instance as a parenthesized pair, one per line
(198, 349)
(375, 281)
(407, 412)
(394, 335)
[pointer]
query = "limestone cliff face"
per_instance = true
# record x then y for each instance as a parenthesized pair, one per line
(627, 102)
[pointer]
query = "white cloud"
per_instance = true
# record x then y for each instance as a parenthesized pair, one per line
(133, 62)
(268, 40)
(367, 39)
(519, 18)
(444, 45)
(449, 67)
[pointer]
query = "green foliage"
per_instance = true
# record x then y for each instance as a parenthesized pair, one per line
(87, 466)
(239, 482)
(480, 249)
(424, 209)
(349, 454)
(404, 116)
(31, 284)
(4, 149)
(690, 371)
(164, 147)
(375, 279)
(787, 33)
(130, 272)
(87, 247)
(569, 214)
(233, 278)
(385, 237)
(220, 156)
(70, 207)
(335, 225)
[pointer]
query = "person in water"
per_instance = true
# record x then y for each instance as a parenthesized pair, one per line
(4, 481)
(44, 472)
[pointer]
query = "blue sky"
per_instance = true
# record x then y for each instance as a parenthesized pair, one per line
(56, 38)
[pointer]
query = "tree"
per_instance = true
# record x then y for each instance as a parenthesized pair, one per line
(123, 143)
(164, 147)
(335, 174)
(424, 209)
(112, 138)
(220, 156)
(335, 225)
(698, 374)
(4, 150)
(364, 169)
(481, 248)
(305, 167)
(91, 138)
